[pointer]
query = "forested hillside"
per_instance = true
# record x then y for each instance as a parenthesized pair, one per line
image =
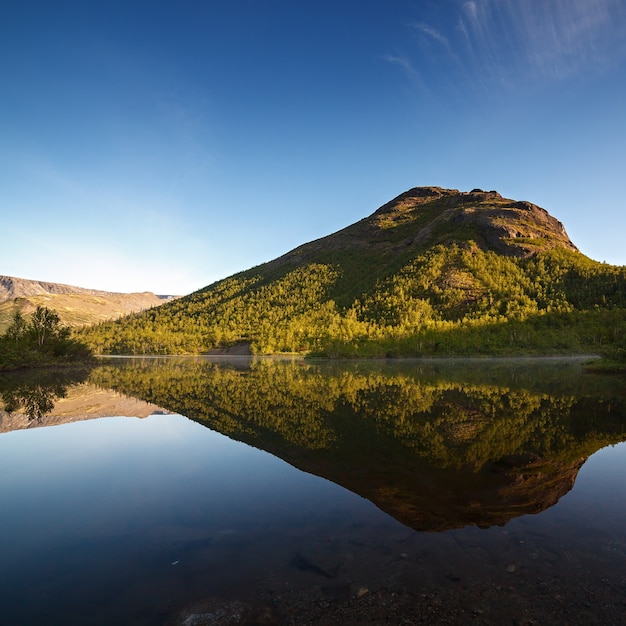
(434, 271)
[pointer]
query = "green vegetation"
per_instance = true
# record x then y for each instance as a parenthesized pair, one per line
(613, 357)
(432, 273)
(38, 341)
(449, 300)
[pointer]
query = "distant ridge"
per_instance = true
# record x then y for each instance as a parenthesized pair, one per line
(76, 306)
(12, 287)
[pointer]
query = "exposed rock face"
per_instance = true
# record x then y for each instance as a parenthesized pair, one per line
(514, 228)
(423, 217)
(11, 287)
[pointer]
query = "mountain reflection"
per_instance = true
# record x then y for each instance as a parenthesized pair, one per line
(49, 397)
(437, 445)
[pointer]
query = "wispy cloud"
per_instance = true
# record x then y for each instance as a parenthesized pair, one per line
(433, 41)
(431, 32)
(407, 66)
(402, 61)
(546, 39)
(508, 43)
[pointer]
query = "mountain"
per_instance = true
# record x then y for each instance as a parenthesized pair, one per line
(427, 216)
(434, 271)
(76, 306)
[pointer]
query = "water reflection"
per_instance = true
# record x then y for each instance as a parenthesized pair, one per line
(35, 393)
(159, 520)
(32, 399)
(435, 445)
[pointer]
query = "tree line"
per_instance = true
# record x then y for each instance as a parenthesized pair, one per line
(40, 339)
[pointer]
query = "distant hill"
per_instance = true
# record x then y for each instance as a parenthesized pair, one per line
(76, 306)
(434, 271)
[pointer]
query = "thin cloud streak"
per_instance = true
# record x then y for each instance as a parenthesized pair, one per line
(509, 44)
(431, 32)
(408, 67)
(540, 39)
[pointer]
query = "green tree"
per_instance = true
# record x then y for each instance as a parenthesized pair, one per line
(17, 329)
(40, 340)
(46, 324)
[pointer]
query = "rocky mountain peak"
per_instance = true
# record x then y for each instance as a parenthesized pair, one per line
(510, 227)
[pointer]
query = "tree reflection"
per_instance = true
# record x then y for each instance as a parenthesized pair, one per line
(35, 401)
(435, 445)
(35, 393)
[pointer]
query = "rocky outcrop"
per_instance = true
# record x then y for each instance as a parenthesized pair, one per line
(513, 228)
(423, 217)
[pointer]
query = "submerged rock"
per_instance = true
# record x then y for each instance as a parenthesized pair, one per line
(216, 612)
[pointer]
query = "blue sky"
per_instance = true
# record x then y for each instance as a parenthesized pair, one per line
(162, 146)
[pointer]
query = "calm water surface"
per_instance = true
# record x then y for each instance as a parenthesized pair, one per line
(497, 485)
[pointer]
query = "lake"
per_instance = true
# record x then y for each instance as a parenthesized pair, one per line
(282, 491)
